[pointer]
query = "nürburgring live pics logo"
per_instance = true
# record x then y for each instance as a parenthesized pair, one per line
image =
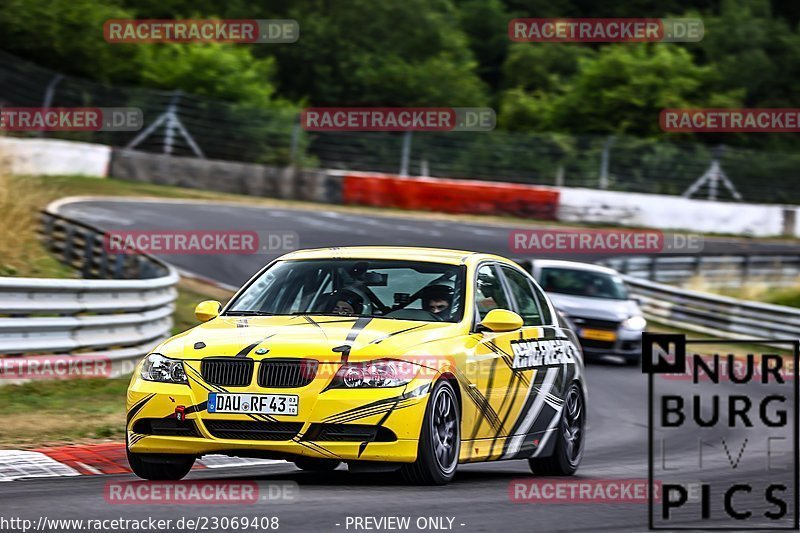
(730, 429)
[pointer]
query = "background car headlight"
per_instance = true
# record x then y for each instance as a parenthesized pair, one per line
(374, 374)
(634, 322)
(156, 367)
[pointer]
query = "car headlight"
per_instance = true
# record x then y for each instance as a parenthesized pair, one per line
(634, 322)
(374, 374)
(156, 367)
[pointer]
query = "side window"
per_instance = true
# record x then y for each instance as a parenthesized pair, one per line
(489, 292)
(547, 317)
(522, 291)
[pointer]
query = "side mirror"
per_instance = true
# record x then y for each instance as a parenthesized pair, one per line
(207, 310)
(499, 320)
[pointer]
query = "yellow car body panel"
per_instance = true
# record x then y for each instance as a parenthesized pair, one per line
(495, 398)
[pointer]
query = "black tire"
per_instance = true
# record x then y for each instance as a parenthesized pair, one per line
(571, 436)
(311, 464)
(160, 467)
(439, 439)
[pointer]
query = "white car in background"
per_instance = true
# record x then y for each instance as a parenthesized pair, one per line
(606, 318)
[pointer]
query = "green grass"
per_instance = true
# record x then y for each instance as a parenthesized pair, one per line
(761, 292)
(62, 411)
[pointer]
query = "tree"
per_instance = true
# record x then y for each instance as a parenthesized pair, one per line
(620, 90)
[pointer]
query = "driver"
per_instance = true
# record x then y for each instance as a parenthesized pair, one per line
(438, 299)
(346, 302)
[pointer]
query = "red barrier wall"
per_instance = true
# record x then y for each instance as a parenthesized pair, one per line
(450, 196)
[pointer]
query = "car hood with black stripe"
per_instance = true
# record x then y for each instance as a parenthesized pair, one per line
(324, 338)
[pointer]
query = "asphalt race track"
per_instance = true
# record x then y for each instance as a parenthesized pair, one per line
(478, 499)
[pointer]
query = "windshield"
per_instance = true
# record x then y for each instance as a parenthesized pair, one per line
(406, 290)
(583, 283)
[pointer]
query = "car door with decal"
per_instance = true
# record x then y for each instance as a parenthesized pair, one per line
(545, 356)
(497, 389)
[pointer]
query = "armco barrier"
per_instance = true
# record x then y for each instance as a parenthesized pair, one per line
(715, 315)
(450, 196)
(117, 319)
(728, 270)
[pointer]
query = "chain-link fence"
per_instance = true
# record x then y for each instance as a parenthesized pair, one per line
(182, 124)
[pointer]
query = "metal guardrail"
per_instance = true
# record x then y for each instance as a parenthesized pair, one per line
(728, 270)
(715, 315)
(120, 319)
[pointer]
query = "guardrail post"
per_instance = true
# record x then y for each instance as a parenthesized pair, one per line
(69, 244)
(119, 265)
(746, 267)
(97, 239)
(48, 222)
(653, 271)
(88, 237)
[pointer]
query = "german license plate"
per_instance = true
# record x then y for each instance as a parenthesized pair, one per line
(265, 404)
(598, 335)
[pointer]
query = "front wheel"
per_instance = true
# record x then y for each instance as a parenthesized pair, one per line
(439, 439)
(570, 434)
(161, 467)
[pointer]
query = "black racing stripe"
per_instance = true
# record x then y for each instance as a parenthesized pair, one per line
(195, 376)
(361, 413)
(504, 420)
(379, 403)
(316, 447)
(387, 410)
(527, 447)
(489, 385)
(480, 401)
(136, 437)
(138, 407)
(362, 447)
(392, 334)
(541, 423)
(508, 359)
(312, 321)
(357, 416)
(361, 323)
(247, 349)
(535, 390)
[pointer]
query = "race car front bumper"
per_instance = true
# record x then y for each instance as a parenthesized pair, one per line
(378, 424)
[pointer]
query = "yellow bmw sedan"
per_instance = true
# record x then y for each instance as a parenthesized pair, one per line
(414, 359)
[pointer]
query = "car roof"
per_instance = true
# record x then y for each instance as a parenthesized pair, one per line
(403, 253)
(573, 265)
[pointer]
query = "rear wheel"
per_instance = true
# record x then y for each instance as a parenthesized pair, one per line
(160, 466)
(311, 464)
(569, 446)
(439, 440)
